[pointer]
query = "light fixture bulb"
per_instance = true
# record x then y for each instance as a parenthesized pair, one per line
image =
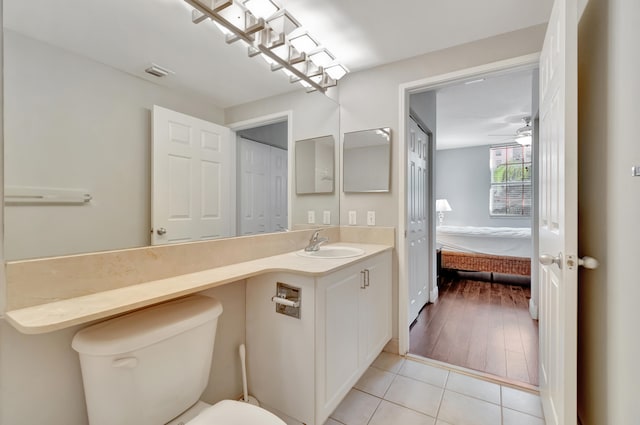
(524, 139)
(336, 71)
(283, 23)
(304, 43)
(261, 8)
(322, 58)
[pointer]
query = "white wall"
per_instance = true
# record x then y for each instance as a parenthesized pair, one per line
(370, 99)
(464, 179)
(609, 210)
(71, 122)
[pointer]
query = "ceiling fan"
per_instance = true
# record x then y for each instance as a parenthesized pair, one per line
(523, 135)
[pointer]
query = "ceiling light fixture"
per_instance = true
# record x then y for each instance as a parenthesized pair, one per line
(524, 134)
(270, 32)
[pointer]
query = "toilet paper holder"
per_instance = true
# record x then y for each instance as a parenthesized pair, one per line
(287, 300)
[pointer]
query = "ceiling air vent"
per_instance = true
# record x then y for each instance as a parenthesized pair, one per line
(158, 71)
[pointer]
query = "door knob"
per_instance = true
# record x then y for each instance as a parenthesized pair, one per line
(161, 231)
(547, 260)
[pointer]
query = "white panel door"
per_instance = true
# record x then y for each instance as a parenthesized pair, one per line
(191, 179)
(278, 208)
(558, 215)
(253, 174)
(417, 228)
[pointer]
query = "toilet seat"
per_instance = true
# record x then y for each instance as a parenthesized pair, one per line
(231, 412)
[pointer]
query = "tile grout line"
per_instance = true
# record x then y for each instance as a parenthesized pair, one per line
(446, 381)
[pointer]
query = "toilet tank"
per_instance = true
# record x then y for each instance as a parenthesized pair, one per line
(147, 367)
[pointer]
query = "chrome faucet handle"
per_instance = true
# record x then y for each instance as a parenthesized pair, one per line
(315, 241)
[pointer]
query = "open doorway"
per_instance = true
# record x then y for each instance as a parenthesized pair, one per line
(481, 311)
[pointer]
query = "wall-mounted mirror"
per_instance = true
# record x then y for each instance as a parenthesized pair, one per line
(367, 160)
(77, 114)
(315, 166)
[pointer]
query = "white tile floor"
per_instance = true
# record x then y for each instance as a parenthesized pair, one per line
(398, 391)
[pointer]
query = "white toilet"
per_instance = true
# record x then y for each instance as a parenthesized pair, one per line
(150, 367)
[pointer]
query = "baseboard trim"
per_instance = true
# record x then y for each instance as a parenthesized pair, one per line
(433, 294)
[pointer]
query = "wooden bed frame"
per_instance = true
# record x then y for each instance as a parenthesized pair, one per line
(473, 262)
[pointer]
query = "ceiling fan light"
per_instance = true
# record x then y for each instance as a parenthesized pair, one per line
(524, 139)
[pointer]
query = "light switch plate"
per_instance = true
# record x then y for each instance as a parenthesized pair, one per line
(352, 218)
(326, 217)
(311, 217)
(371, 218)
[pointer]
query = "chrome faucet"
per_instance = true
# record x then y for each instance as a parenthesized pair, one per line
(315, 241)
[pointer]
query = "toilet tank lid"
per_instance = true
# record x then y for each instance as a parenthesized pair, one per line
(146, 327)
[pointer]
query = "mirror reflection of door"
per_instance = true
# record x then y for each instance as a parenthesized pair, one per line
(262, 188)
(191, 179)
(262, 172)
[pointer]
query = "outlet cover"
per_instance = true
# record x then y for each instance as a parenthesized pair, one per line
(311, 217)
(352, 218)
(371, 218)
(326, 217)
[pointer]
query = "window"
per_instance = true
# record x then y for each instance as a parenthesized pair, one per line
(511, 172)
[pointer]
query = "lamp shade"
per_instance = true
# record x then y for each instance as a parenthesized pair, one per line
(442, 205)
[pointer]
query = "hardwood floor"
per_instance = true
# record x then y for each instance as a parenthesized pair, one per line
(479, 325)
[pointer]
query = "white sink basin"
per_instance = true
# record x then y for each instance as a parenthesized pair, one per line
(332, 252)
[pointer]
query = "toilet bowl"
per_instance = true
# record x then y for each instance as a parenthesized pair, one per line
(151, 366)
(231, 412)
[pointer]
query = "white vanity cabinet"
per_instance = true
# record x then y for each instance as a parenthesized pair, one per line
(304, 367)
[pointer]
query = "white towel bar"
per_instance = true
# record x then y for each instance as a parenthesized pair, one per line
(16, 195)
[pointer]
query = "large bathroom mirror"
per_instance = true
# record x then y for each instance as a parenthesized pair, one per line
(78, 116)
(366, 159)
(315, 165)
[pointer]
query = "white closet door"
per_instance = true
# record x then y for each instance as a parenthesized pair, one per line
(191, 179)
(253, 174)
(278, 207)
(417, 230)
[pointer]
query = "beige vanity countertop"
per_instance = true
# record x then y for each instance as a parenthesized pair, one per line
(75, 311)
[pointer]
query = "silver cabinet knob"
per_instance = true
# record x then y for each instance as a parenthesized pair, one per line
(547, 260)
(161, 231)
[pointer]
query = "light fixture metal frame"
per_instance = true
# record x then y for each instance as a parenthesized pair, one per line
(291, 63)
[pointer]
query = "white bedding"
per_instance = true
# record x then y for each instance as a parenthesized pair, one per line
(509, 241)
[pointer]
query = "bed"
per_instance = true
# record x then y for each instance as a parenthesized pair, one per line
(485, 249)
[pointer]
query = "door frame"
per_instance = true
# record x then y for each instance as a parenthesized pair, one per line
(524, 62)
(259, 122)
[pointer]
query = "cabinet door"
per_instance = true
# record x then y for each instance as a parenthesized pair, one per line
(336, 338)
(375, 309)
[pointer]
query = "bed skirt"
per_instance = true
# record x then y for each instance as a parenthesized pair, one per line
(475, 262)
